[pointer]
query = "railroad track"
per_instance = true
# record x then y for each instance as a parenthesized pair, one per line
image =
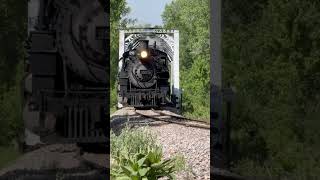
(153, 117)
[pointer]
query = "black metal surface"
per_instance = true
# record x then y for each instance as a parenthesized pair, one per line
(68, 60)
(144, 82)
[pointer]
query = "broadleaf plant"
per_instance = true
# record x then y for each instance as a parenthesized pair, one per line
(136, 156)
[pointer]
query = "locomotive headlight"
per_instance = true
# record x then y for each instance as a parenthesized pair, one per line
(144, 54)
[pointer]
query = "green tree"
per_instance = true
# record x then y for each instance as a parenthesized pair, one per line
(13, 16)
(12, 37)
(271, 54)
(191, 18)
(118, 20)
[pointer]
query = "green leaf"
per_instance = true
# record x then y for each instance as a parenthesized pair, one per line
(141, 161)
(135, 177)
(123, 178)
(144, 171)
(140, 155)
(161, 163)
(128, 170)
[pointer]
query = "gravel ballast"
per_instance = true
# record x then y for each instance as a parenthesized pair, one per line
(192, 143)
(176, 139)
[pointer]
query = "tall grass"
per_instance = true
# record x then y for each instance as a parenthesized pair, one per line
(131, 141)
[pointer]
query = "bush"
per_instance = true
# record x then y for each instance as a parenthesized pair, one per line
(135, 154)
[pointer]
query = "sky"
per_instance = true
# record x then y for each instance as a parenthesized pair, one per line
(147, 11)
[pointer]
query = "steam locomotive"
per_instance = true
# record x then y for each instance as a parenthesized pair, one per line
(66, 83)
(144, 76)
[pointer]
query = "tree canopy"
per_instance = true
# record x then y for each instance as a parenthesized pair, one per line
(191, 18)
(271, 55)
(13, 25)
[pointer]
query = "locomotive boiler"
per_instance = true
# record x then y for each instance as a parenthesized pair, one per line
(145, 70)
(66, 94)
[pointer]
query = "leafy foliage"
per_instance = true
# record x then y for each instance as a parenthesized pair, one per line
(118, 11)
(136, 155)
(271, 55)
(144, 167)
(12, 37)
(191, 18)
(11, 111)
(132, 141)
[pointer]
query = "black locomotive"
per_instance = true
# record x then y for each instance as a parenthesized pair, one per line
(66, 83)
(144, 76)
